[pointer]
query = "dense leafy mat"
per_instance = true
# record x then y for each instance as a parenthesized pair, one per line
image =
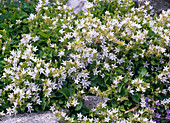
(52, 58)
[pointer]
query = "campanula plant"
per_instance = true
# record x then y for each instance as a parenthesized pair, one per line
(111, 50)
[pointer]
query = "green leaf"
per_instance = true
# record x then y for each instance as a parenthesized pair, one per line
(120, 87)
(135, 97)
(123, 99)
(43, 105)
(84, 111)
(106, 79)
(22, 14)
(100, 81)
(124, 92)
(153, 62)
(36, 108)
(106, 73)
(119, 71)
(130, 114)
(142, 71)
(137, 63)
(94, 77)
(136, 59)
(3, 62)
(126, 102)
(23, 107)
(94, 81)
(52, 95)
(114, 103)
(48, 102)
(44, 35)
(79, 106)
(122, 108)
(65, 92)
(126, 80)
(71, 91)
(60, 102)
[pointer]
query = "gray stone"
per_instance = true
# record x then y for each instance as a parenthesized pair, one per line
(93, 101)
(158, 5)
(77, 5)
(38, 117)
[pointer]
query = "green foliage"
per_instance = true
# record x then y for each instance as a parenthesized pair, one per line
(50, 56)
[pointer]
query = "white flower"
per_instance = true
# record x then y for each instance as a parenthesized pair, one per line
(71, 120)
(102, 75)
(14, 110)
(146, 2)
(141, 111)
(131, 91)
(0, 36)
(9, 111)
(74, 102)
(3, 48)
(107, 13)
(88, 5)
(2, 113)
(61, 53)
(104, 105)
(68, 104)
(107, 119)
(93, 109)
(90, 120)
(63, 114)
(46, 2)
(66, 118)
(29, 106)
(145, 119)
(52, 108)
(85, 118)
(160, 76)
(114, 66)
(120, 77)
(82, 92)
(96, 88)
(135, 55)
(145, 64)
(95, 71)
(107, 66)
(136, 115)
(18, 21)
(31, 17)
(76, 81)
(166, 68)
(116, 50)
(112, 56)
(45, 17)
(39, 101)
(162, 49)
(85, 98)
(49, 90)
(96, 120)
(79, 115)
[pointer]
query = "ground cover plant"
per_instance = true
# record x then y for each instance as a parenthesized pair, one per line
(113, 50)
